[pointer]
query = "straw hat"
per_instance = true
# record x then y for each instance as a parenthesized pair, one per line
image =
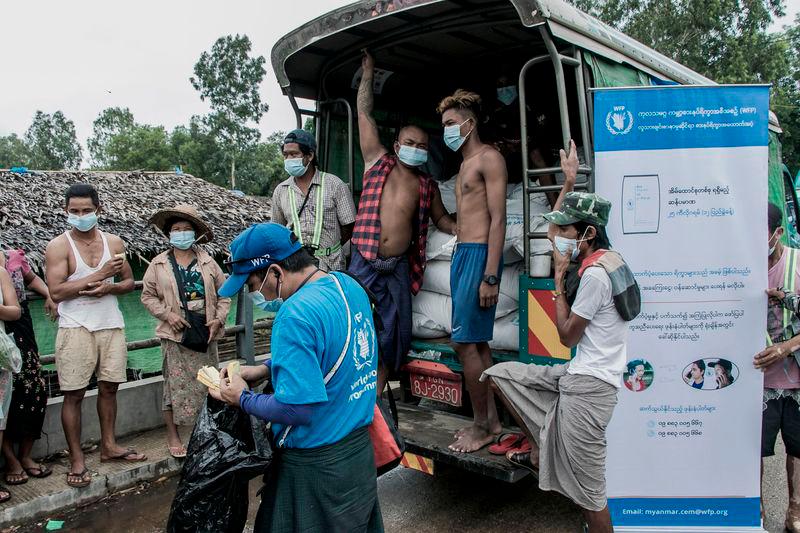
(184, 212)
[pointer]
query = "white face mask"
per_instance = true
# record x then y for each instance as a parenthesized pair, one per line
(772, 247)
(564, 245)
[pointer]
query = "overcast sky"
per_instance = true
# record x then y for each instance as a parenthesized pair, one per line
(81, 56)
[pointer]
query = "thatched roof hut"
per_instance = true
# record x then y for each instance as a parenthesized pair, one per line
(32, 208)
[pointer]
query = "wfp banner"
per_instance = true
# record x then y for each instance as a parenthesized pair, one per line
(686, 171)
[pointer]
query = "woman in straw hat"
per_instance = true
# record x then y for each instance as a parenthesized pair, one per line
(179, 284)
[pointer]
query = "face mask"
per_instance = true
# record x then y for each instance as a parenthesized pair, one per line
(507, 95)
(182, 240)
(295, 167)
(270, 306)
(452, 136)
(84, 223)
(772, 248)
(413, 157)
(564, 245)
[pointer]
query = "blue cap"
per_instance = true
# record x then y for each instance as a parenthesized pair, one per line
(301, 137)
(256, 248)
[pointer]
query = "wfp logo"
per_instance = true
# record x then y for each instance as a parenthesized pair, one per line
(619, 120)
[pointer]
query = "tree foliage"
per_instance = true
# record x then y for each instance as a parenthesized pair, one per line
(726, 40)
(140, 147)
(13, 152)
(52, 142)
(111, 121)
(229, 79)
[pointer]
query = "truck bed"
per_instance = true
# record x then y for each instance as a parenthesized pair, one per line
(428, 432)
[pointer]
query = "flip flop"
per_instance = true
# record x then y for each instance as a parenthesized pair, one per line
(178, 452)
(41, 472)
(125, 457)
(16, 479)
(83, 481)
(522, 459)
(505, 443)
(4, 499)
(524, 446)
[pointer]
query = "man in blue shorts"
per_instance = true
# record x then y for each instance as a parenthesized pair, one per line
(478, 259)
(323, 369)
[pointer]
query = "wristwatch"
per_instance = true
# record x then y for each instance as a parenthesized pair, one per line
(491, 280)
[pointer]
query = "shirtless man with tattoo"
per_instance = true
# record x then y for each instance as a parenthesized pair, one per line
(397, 203)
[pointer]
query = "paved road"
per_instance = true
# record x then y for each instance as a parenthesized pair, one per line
(411, 502)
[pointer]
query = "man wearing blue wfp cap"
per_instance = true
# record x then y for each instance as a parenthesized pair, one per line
(316, 205)
(564, 409)
(323, 370)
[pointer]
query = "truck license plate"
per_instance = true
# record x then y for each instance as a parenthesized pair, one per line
(435, 388)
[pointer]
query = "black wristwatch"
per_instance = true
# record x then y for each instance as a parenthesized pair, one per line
(491, 280)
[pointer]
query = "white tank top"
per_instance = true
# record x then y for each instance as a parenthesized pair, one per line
(89, 312)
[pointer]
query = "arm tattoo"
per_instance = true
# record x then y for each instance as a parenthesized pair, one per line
(365, 97)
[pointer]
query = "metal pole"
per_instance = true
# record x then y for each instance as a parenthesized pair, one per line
(560, 85)
(584, 117)
(523, 122)
(245, 343)
(295, 107)
(350, 139)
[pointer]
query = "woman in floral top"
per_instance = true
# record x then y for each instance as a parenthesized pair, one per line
(199, 277)
(29, 400)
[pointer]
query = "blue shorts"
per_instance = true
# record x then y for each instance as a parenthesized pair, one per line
(471, 322)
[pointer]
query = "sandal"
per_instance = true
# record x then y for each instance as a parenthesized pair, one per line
(82, 480)
(522, 459)
(39, 472)
(524, 446)
(128, 456)
(178, 452)
(505, 443)
(16, 479)
(4, 494)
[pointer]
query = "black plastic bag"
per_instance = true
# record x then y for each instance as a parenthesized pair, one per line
(227, 449)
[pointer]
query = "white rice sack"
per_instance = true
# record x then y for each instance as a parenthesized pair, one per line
(435, 309)
(509, 283)
(441, 245)
(437, 277)
(505, 306)
(438, 308)
(448, 191)
(506, 333)
(423, 328)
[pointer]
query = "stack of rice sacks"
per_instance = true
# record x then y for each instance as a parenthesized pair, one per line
(432, 306)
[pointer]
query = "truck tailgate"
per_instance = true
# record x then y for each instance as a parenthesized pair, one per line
(428, 432)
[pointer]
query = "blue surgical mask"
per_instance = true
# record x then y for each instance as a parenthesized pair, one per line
(84, 223)
(411, 156)
(182, 240)
(294, 167)
(452, 136)
(270, 306)
(507, 95)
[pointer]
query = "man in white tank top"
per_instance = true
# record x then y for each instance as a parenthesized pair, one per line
(81, 267)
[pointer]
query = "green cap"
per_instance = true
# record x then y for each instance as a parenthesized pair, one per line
(577, 206)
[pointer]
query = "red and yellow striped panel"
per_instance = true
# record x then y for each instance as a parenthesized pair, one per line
(417, 462)
(543, 338)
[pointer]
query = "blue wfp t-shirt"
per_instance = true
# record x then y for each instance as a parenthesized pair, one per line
(308, 337)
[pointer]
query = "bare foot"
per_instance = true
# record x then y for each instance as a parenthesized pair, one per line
(472, 439)
(121, 454)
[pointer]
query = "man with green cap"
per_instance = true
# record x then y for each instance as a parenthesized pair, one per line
(317, 206)
(565, 409)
